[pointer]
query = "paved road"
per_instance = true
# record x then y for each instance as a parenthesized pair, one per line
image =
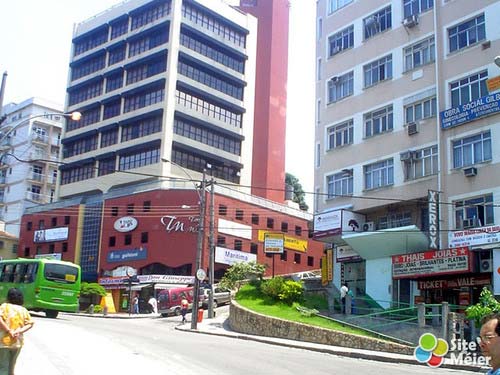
(73, 345)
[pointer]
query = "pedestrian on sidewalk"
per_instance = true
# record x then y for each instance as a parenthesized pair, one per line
(489, 341)
(14, 321)
(184, 308)
(135, 304)
(154, 304)
(343, 292)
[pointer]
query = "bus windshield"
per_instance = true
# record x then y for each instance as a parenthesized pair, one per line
(61, 273)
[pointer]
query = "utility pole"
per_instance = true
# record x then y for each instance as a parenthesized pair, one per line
(199, 251)
(211, 251)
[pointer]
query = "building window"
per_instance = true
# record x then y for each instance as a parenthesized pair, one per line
(340, 41)
(130, 209)
(296, 258)
(467, 33)
(114, 82)
(29, 226)
(270, 223)
(420, 110)
(340, 87)
(150, 14)
(114, 211)
(379, 174)
(54, 222)
(127, 240)
(238, 245)
(412, 7)
(254, 248)
(112, 241)
(41, 224)
(396, 220)
(146, 206)
(340, 135)
(379, 121)
(119, 28)
(145, 70)
(143, 99)
(310, 261)
(284, 227)
(255, 219)
(474, 212)
(144, 237)
(64, 247)
(222, 210)
(67, 220)
(116, 55)
(378, 71)
(422, 163)
(298, 230)
(472, 150)
(26, 252)
(15, 248)
(284, 256)
(468, 89)
(107, 166)
(377, 22)
(141, 128)
(420, 53)
(221, 241)
(239, 214)
(340, 184)
(52, 248)
(140, 158)
(147, 42)
(109, 137)
(334, 5)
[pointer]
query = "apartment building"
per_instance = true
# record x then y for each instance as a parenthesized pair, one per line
(30, 145)
(405, 168)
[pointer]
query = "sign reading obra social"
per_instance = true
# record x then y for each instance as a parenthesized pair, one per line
(474, 237)
(485, 106)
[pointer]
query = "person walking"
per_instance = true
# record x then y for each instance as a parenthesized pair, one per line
(343, 292)
(135, 304)
(154, 304)
(489, 341)
(184, 308)
(15, 320)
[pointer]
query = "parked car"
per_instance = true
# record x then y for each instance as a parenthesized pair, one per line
(221, 296)
(169, 300)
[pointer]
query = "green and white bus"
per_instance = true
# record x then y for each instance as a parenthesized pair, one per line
(47, 285)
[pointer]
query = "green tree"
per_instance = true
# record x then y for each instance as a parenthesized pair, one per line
(298, 191)
(487, 305)
(92, 289)
(239, 273)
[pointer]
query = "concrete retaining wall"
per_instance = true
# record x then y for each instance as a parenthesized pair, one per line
(246, 321)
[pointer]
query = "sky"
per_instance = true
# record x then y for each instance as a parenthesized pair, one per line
(35, 48)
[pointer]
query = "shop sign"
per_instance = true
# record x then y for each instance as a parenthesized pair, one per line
(54, 256)
(173, 224)
(337, 222)
(53, 234)
(291, 243)
(274, 243)
(431, 263)
(433, 208)
(234, 229)
(144, 279)
(475, 237)
(127, 255)
(485, 106)
(346, 253)
(230, 257)
(329, 264)
(457, 282)
(125, 224)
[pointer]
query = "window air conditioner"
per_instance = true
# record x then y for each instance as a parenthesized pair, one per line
(412, 128)
(369, 226)
(468, 223)
(485, 265)
(470, 172)
(410, 21)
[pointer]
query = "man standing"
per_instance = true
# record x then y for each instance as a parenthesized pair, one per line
(184, 308)
(136, 304)
(489, 341)
(343, 292)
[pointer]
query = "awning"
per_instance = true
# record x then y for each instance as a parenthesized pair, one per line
(169, 286)
(387, 242)
(137, 286)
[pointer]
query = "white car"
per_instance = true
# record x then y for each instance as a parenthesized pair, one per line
(221, 296)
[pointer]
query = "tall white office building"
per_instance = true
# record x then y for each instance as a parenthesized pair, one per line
(408, 111)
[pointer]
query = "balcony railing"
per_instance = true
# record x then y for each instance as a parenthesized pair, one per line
(41, 138)
(37, 176)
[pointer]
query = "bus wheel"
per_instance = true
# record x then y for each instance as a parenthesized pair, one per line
(51, 314)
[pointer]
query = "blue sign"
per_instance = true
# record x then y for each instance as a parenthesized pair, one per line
(125, 255)
(485, 106)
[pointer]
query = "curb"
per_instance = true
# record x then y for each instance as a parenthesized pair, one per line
(116, 316)
(345, 352)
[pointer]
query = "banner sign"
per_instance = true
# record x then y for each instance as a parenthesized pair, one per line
(485, 106)
(126, 255)
(456, 282)
(234, 229)
(475, 237)
(324, 271)
(431, 263)
(291, 243)
(346, 253)
(55, 256)
(329, 264)
(53, 234)
(145, 279)
(274, 243)
(433, 207)
(337, 222)
(230, 257)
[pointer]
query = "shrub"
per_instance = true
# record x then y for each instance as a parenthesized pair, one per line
(487, 305)
(97, 309)
(88, 289)
(291, 291)
(273, 287)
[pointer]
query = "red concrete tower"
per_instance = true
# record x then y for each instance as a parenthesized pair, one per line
(268, 170)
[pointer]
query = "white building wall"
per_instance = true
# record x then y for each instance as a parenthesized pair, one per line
(379, 280)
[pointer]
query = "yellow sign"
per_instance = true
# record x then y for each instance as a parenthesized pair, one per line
(273, 243)
(493, 84)
(291, 243)
(329, 264)
(324, 271)
(107, 300)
